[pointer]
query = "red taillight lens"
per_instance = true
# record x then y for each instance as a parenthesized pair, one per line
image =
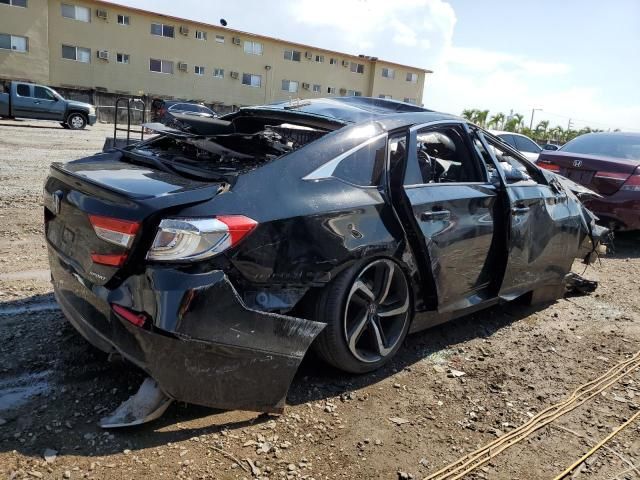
(189, 239)
(114, 230)
(548, 165)
(110, 259)
(238, 226)
(138, 319)
(633, 182)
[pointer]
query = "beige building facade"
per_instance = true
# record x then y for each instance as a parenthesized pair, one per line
(102, 46)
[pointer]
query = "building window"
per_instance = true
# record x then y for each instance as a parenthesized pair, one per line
(162, 30)
(388, 73)
(333, 61)
(293, 55)
(357, 67)
(200, 35)
(412, 101)
(75, 12)
(316, 88)
(220, 38)
(123, 20)
(412, 77)
(290, 86)
(15, 3)
(319, 58)
(253, 48)
(15, 43)
(198, 70)
(251, 80)
(353, 93)
(387, 97)
(331, 90)
(160, 66)
(122, 58)
(218, 72)
(78, 54)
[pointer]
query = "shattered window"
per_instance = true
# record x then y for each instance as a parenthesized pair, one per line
(514, 169)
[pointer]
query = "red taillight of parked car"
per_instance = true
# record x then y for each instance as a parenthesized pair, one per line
(115, 231)
(632, 183)
(548, 165)
(138, 319)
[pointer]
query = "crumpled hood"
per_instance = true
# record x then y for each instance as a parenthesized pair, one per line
(80, 105)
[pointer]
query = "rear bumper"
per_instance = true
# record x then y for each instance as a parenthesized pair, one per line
(202, 344)
(623, 207)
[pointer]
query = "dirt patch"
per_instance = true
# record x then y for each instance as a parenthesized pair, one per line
(412, 417)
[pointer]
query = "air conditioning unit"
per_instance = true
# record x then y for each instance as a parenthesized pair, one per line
(343, 91)
(345, 63)
(305, 86)
(182, 66)
(184, 30)
(102, 14)
(236, 40)
(234, 75)
(308, 55)
(103, 54)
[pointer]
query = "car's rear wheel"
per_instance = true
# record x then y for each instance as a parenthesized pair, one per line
(367, 310)
(76, 121)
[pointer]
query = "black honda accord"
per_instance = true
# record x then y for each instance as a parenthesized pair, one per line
(215, 253)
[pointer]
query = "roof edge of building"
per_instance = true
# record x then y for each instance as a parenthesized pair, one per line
(257, 35)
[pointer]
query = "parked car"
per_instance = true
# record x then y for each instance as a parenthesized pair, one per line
(27, 100)
(213, 257)
(162, 110)
(551, 146)
(522, 143)
(608, 163)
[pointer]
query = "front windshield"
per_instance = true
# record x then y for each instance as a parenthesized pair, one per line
(618, 146)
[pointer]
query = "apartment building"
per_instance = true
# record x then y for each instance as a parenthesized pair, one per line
(105, 47)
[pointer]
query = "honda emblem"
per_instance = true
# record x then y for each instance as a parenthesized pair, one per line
(577, 163)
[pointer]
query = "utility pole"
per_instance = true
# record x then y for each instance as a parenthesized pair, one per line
(569, 125)
(533, 111)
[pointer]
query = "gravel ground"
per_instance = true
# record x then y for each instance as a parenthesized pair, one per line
(516, 361)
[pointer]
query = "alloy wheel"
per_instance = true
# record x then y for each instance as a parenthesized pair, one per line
(76, 122)
(376, 311)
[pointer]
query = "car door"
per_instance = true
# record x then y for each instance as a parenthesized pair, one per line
(543, 226)
(47, 104)
(23, 104)
(451, 210)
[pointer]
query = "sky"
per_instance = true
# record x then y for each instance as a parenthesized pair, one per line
(577, 60)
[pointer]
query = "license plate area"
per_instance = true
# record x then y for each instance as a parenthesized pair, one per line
(582, 177)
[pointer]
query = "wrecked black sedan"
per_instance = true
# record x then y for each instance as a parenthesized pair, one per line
(214, 254)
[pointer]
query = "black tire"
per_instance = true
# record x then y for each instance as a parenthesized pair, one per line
(64, 125)
(76, 121)
(360, 335)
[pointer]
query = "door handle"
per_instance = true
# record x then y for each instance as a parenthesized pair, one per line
(435, 215)
(37, 102)
(519, 209)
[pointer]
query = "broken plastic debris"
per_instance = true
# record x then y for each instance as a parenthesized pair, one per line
(146, 405)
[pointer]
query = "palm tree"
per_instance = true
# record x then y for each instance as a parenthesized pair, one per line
(481, 117)
(469, 114)
(541, 128)
(556, 133)
(511, 125)
(519, 117)
(496, 121)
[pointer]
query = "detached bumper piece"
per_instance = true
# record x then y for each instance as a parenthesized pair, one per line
(201, 345)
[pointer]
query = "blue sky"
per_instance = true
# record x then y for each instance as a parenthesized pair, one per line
(574, 59)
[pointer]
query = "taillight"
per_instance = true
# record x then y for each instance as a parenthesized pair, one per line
(116, 231)
(113, 230)
(633, 182)
(548, 165)
(138, 319)
(186, 239)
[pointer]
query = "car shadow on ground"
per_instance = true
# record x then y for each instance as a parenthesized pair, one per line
(81, 373)
(20, 123)
(625, 245)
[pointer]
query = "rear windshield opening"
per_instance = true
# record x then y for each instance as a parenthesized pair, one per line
(234, 148)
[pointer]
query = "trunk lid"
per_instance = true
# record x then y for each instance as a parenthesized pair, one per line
(106, 187)
(604, 175)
